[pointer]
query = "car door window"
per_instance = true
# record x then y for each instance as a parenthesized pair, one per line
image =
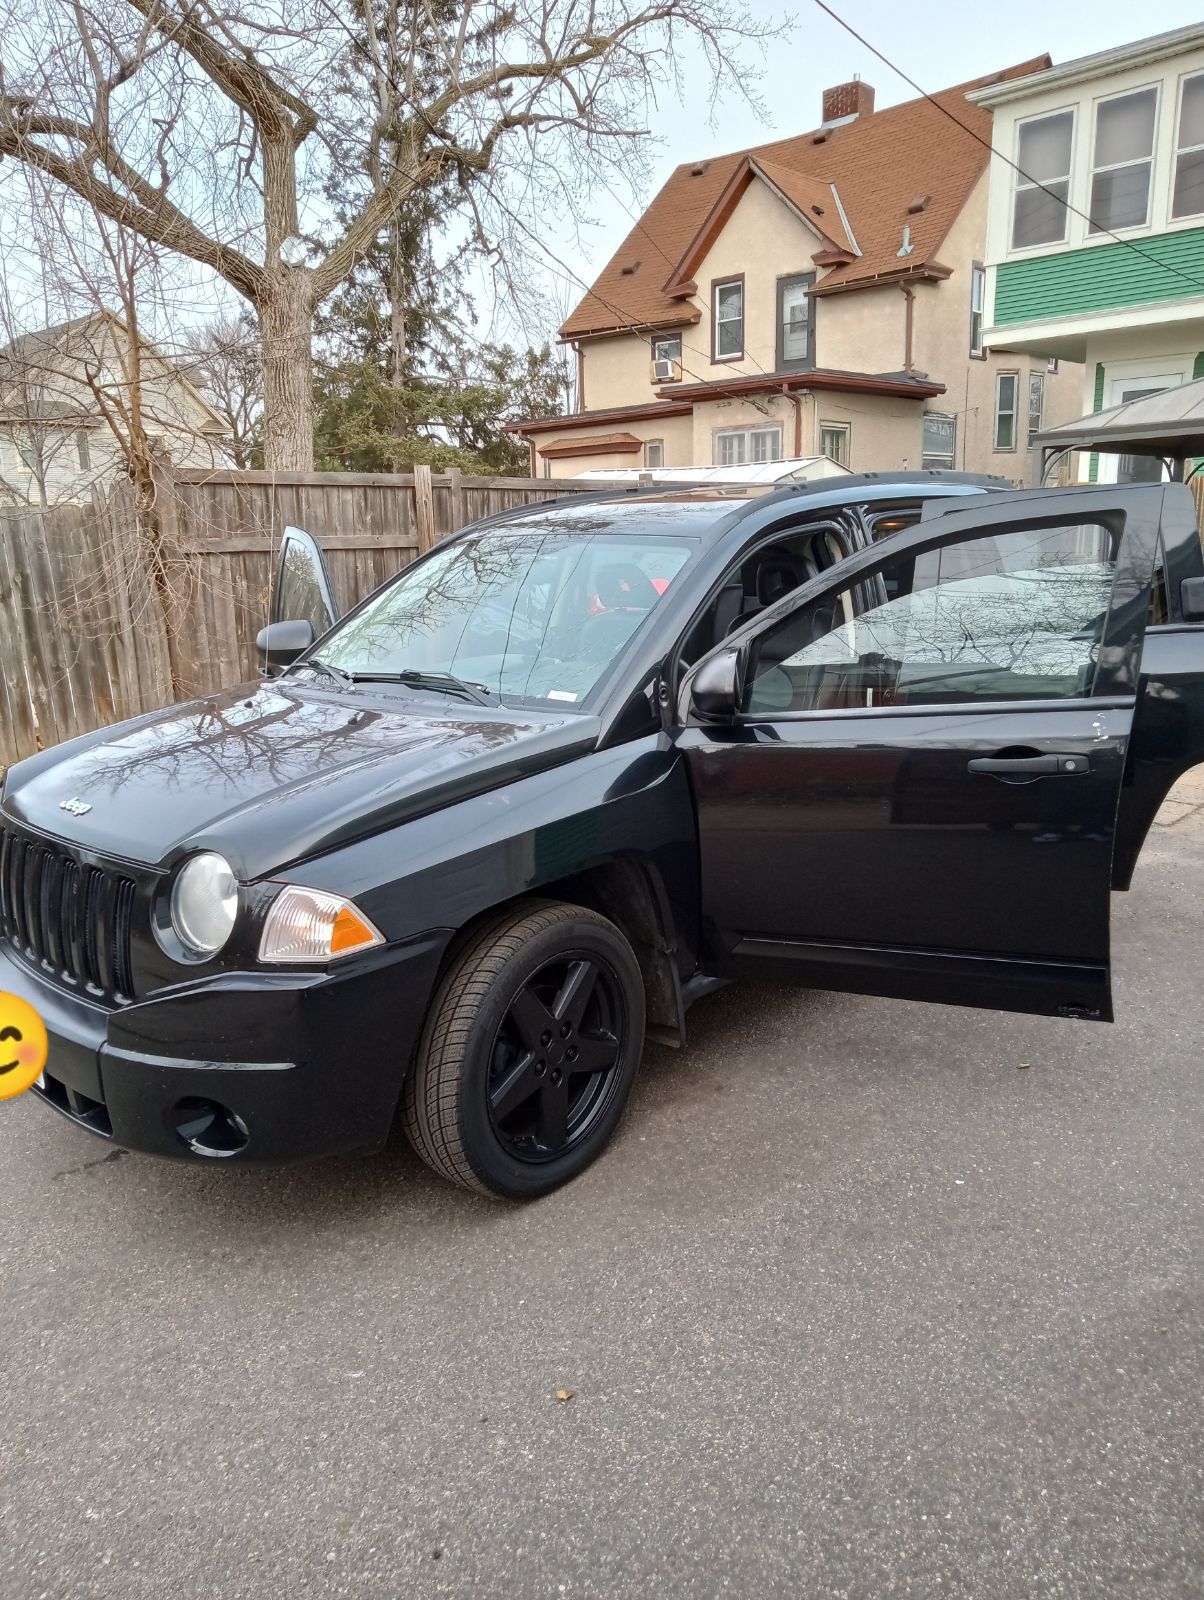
(302, 587)
(1009, 615)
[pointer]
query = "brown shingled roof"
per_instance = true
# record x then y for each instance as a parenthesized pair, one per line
(878, 163)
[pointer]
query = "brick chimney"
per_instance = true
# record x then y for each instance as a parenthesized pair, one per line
(855, 99)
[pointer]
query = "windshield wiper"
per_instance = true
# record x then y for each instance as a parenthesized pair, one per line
(419, 679)
(343, 679)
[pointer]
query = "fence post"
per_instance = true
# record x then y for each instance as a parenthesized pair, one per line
(424, 508)
(455, 486)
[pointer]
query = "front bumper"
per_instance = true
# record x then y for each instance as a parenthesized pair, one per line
(301, 1064)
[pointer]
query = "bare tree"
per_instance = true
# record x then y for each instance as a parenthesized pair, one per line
(224, 362)
(208, 128)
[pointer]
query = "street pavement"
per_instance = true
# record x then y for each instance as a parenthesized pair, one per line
(868, 1299)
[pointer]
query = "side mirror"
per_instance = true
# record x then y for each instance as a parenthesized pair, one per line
(1191, 599)
(280, 643)
(715, 688)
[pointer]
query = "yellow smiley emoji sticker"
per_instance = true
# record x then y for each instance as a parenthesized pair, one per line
(23, 1046)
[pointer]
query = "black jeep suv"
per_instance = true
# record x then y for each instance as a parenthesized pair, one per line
(574, 767)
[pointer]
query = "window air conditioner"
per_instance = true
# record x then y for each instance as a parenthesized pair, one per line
(665, 370)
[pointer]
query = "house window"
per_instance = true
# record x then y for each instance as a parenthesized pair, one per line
(654, 452)
(978, 294)
(1043, 182)
(834, 442)
(1006, 385)
(26, 452)
(83, 450)
(735, 447)
(940, 440)
(1036, 403)
(1120, 176)
(667, 347)
(1188, 198)
(727, 301)
(794, 321)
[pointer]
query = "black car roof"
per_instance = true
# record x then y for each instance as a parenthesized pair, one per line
(708, 503)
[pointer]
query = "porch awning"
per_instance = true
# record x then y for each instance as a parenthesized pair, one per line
(1170, 423)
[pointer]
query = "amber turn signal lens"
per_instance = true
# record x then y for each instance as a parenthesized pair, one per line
(311, 925)
(351, 932)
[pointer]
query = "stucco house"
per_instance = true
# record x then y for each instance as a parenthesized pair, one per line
(1095, 237)
(820, 294)
(65, 397)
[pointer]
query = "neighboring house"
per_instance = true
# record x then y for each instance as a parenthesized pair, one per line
(1095, 250)
(65, 398)
(822, 294)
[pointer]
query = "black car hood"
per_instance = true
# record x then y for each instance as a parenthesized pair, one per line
(272, 774)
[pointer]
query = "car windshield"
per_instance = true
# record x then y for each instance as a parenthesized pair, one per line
(523, 613)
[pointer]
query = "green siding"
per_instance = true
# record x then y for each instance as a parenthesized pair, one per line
(1098, 405)
(1101, 278)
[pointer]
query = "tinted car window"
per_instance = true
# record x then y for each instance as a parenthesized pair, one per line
(301, 598)
(1009, 616)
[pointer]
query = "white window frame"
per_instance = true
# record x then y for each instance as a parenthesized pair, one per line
(1013, 412)
(1104, 230)
(1020, 183)
(651, 445)
(978, 305)
(929, 458)
(717, 322)
(746, 434)
(1036, 383)
(1181, 149)
(845, 430)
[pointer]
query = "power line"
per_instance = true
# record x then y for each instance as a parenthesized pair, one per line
(1097, 227)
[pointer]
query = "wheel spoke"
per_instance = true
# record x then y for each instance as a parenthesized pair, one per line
(575, 992)
(532, 1019)
(553, 1128)
(515, 1086)
(596, 1052)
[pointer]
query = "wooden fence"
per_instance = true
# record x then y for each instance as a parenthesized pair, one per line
(85, 636)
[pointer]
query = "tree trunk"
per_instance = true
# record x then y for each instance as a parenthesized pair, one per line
(286, 317)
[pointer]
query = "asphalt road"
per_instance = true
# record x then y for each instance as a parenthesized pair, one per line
(868, 1299)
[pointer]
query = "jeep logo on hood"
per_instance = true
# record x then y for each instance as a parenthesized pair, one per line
(76, 808)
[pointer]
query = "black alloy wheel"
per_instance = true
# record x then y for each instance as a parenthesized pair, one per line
(555, 1059)
(528, 1053)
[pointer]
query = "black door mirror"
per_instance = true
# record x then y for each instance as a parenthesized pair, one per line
(280, 643)
(715, 688)
(1191, 599)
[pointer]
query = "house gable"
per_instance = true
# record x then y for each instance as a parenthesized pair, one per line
(879, 163)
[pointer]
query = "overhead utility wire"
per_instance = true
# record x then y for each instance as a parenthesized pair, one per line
(1163, 266)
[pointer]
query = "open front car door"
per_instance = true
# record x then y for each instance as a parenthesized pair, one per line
(908, 772)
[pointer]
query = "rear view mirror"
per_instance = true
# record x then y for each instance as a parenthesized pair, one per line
(1191, 599)
(715, 688)
(280, 643)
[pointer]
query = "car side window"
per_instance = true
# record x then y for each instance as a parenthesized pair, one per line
(1014, 615)
(301, 597)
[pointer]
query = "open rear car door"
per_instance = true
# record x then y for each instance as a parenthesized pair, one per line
(908, 772)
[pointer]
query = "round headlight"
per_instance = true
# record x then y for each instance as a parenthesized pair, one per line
(204, 903)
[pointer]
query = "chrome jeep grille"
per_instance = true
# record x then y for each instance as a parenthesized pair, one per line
(69, 916)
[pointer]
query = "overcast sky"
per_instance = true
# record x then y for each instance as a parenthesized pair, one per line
(939, 43)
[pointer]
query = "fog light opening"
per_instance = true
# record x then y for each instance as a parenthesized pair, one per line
(210, 1129)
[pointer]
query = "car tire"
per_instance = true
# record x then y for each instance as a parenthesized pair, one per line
(528, 1053)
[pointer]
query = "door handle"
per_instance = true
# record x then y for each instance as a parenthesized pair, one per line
(1054, 766)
